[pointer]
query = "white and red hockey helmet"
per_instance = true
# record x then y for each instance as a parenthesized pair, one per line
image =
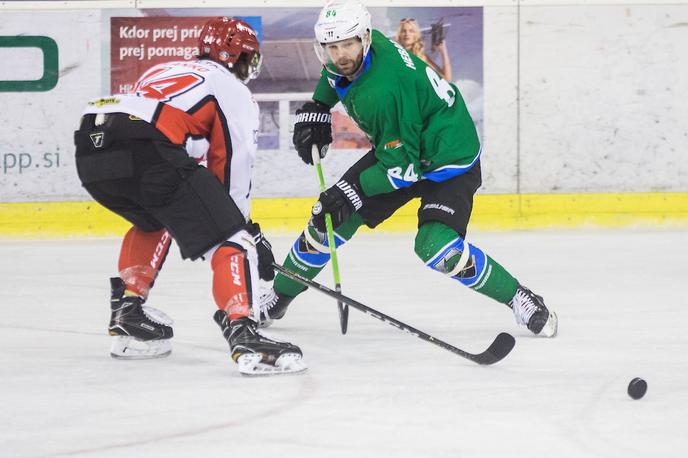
(340, 20)
(224, 40)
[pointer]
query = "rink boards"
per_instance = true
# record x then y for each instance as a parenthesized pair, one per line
(286, 215)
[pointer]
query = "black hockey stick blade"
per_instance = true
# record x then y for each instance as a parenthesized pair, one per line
(502, 345)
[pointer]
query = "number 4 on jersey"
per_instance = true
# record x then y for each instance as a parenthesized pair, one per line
(410, 177)
(442, 88)
(166, 88)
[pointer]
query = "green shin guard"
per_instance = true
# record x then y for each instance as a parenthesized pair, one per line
(443, 249)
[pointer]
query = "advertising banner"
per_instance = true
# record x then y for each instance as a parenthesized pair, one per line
(138, 43)
(53, 62)
(449, 39)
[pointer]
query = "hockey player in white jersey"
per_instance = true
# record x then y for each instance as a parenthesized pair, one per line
(139, 155)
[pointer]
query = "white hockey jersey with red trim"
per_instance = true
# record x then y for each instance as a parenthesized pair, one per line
(202, 105)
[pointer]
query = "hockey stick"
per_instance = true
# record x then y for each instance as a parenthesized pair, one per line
(342, 307)
(501, 346)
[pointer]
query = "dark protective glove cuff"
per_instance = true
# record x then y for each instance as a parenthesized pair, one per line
(340, 201)
(351, 192)
(264, 250)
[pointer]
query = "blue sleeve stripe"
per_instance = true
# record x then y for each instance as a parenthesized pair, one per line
(399, 183)
(450, 171)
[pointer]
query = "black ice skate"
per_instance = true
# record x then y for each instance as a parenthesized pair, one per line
(254, 352)
(530, 309)
(273, 306)
(139, 332)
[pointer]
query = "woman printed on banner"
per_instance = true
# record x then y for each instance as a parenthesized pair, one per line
(410, 37)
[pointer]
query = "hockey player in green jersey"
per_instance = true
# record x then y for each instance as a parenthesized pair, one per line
(425, 146)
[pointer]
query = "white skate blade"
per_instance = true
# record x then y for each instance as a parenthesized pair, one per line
(289, 363)
(551, 327)
(126, 347)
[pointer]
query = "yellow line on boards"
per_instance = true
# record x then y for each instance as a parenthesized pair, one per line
(290, 215)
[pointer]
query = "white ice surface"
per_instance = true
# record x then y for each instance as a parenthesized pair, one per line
(376, 392)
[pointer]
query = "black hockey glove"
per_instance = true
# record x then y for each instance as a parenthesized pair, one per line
(313, 127)
(340, 201)
(264, 249)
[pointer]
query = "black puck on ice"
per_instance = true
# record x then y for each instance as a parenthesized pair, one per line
(637, 388)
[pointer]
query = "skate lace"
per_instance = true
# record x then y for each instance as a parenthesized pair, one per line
(267, 302)
(523, 307)
(157, 316)
(252, 328)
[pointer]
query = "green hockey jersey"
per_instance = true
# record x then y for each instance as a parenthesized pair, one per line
(417, 121)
